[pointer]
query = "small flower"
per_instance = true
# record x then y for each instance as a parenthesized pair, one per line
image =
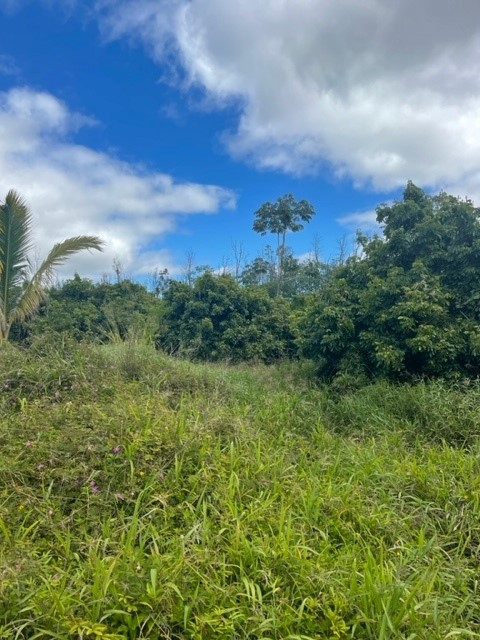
(117, 449)
(119, 496)
(94, 487)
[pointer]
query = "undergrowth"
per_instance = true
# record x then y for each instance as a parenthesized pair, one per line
(147, 497)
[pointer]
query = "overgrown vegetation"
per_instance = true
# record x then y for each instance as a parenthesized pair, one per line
(409, 306)
(265, 496)
(405, 307)
(216, 319)
(146, 497)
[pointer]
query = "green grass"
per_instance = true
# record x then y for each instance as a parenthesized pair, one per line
(144, 497)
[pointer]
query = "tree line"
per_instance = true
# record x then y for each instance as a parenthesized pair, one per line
(405, 306)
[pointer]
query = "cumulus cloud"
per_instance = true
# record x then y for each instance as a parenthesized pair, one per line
(378, 91)
(74, 190)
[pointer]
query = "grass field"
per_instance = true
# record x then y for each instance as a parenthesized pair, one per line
(143, 497)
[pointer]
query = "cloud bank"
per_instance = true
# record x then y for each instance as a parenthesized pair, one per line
(378, 91)
(75, 190)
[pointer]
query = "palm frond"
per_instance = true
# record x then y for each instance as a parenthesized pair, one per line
(27, 303)
(20, 291)
(61, 251)
(15, 244)
(33, 294)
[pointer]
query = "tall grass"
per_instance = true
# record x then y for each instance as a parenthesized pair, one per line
(190, 501)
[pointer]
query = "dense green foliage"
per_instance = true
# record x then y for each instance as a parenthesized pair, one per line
(406, 307)
(146, 497)
(217, 319)
(85, 310)
(409, 306)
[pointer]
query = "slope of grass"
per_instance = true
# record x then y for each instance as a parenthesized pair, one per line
(143, 497)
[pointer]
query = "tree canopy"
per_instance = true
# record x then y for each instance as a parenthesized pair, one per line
(410, 305)
(286, 214)
(217, 319)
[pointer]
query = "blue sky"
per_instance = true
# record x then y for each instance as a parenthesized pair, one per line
(162, 125)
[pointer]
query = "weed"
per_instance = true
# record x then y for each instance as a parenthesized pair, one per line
(173, 500)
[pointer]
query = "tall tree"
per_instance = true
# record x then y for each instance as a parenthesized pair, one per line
(286, 214)
(22, 287)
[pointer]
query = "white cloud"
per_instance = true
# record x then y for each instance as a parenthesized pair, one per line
(380, 91)
(364, 220)
(74, 190)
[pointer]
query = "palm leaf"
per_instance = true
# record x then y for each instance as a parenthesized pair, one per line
(20, 294)
(62, 251)
(33, 294)
(15, 244)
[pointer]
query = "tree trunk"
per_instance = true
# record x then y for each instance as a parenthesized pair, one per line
(4, 331)
(280, 253)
